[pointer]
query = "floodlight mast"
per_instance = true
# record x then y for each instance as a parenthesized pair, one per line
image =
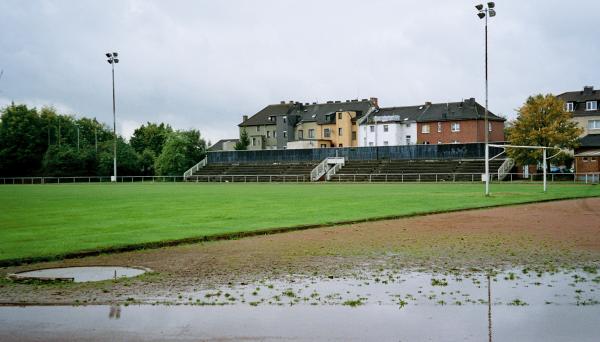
(484, 13)
(112, 60)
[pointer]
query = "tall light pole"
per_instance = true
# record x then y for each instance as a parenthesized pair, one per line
(484, 13)
(112, 60)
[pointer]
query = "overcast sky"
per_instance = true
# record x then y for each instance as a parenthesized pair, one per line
(204, 64)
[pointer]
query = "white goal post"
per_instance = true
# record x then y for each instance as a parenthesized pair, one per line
(487, 162)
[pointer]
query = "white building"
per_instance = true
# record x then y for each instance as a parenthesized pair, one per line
(388, 127)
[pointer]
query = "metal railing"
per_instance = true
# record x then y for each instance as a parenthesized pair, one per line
(89, 179)
(505, 168)
(249, 178)
(195, 168)
(324, 167)
(587, 178)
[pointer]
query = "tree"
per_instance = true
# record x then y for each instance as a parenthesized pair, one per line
(150, 136)
(147, 160)
(127, 159)
(182, 150)
(542, 121)
(244, 141)
(67, 161)
(22, 141)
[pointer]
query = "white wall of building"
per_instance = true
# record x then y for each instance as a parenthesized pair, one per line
(397, 134)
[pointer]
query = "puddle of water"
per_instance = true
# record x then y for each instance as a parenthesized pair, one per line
(84, 274)
(301, 323)
(514, 288)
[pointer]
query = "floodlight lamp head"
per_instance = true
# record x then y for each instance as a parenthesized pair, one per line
(108, 54)
(109, 61)
(116, 60)
(115, 54)
(479, 7)
(491, 4)
(492, 12)
(481, 15)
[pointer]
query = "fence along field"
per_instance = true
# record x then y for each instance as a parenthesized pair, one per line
(50, 221)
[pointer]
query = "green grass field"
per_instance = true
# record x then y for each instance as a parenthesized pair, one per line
(51, 220)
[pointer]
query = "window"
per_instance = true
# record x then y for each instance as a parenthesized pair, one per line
(258, 128)
(407, 125)
(569, 106)
(272, 118)
(425, 129)
(489, 126)
(455, 127)
(385, 143)
(439, 127)
(425, 142)
(372, 128)
(253, 141)
(284, 120)
(311, 133)
(385, 128)
(327, 133)
(591, 105)
(301, 134)
(268, 134)
(323, 145)
(370, 143)
(408, 140)
(585, 159)
(339, 116)
(353, 135)
(274, 134)
(340, 130)
(594, 124)
(285, 134)
(340, 145)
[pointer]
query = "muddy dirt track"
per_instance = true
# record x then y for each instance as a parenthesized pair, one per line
(563, 233)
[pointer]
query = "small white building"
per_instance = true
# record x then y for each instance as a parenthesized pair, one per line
(388, 127)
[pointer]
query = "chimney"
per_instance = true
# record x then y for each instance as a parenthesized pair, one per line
(588, 90)
(245, 118)
(374, 101)
(472, 100)
(428, 103)
(281, 102)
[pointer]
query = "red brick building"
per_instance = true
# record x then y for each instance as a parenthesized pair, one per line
(458, 123)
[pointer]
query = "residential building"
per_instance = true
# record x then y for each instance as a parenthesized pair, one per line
(389, 127)
(431, 123)
(584, 106)
(307, 125)
(262, 126)
(223, 145)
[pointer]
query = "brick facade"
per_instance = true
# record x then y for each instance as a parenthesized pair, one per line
(470, 131)
(587, 164)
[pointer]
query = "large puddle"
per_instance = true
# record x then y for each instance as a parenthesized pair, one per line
(82, 274)
(385, 306)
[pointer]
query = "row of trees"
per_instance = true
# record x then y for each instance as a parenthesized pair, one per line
(45, 143)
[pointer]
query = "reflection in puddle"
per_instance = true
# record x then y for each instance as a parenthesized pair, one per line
(82, 273)
(520, 305)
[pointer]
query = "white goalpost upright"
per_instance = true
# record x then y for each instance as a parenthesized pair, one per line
(487, 162)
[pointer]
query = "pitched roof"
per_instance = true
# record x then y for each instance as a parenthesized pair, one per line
(321, 112)
(218, 146)
(590, 140)
(451, 111)
(579, 98)
(262, 117)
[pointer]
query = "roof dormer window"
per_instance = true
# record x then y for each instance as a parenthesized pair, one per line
(569, 106)
(591, 105)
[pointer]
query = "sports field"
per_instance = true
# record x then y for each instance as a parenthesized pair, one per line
(52, 220)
